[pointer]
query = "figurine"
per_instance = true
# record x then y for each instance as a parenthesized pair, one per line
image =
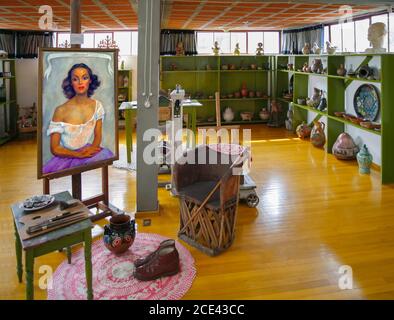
(306, 49)
(316, 49)
(237, 51)
(376, 35)
(305, 67)
(216, 48)
(260, 49)
(179, 50)
(330, 48)
(317, 66)
(315, 100)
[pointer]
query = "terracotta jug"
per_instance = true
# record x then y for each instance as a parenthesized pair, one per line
(318, 138)
(244, 90)
(303, 131)
(341, 70)
(119, 235)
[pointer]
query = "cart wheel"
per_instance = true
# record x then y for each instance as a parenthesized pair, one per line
(252, 200)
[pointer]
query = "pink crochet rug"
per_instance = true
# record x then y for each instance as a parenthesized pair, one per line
(113, 275)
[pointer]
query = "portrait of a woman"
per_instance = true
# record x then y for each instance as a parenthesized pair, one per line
(75, 129)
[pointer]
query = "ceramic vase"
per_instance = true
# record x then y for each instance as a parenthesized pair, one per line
(244, 90)
(317, 66)
(345, 148)
(341, 71)
(318, 138)
(364, 159)
(303, 131)
(119, 235)
(228, 114)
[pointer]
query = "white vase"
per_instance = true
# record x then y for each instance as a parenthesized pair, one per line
(228, 114)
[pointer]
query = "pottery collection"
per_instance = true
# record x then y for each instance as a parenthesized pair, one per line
(119, 235)
(364, 159)
(228, 114)
(318, 137)
(345, 148)
(303, 131)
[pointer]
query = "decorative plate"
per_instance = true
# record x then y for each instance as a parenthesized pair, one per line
(366, 102)
(37, 202)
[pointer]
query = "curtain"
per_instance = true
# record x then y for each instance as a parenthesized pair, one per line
(170, 38)
(7, 42)
(29, 42)
(294, 40)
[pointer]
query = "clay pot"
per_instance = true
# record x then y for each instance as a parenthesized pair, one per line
(244, 90)
(233, 67)
(251, 94)
(237, 94)
(264, 114)
(228, 114)
(341, 71)
(119, 235)
(317, 66)
(318, 137)
(246, 116)
(303, 131)
(259, 94)
(253, 66)
(345, 148)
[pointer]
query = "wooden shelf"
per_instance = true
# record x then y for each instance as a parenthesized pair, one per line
(243, 99)
(229, 123)
(354, 125)
(323, 113)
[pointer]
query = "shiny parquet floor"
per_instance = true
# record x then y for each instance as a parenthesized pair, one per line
(316, 214)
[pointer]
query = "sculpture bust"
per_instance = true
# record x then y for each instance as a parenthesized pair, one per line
(216, 48)
(237, 51)
(376, 35)
(179, 50)
(260, 49)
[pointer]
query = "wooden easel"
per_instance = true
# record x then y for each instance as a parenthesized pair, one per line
(100, 201)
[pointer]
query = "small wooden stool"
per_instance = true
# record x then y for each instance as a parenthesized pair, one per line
(49, 242)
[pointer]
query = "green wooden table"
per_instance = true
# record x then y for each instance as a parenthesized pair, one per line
(130, 109)
(49, 242)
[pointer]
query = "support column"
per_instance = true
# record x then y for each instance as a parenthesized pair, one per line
(148, 100)
(75, 18)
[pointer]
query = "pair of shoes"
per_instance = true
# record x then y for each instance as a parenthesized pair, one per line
(165, 262)
(163, 244)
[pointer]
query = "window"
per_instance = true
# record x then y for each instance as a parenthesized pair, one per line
(326, 33)
(134, 43)
(123, 40)
(88, 40)
(61, 38)
(223, 38)
(348, 37)
(336, 36)
(238, 37)
(271, 42)
(382, 18)
(391, 32)
(362, 35)
(204, 42)
(253, 39)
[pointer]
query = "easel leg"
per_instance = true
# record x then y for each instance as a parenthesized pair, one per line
(46, 186)
(77, 186)
(104, 177)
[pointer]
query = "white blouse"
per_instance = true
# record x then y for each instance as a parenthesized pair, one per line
(76, 136)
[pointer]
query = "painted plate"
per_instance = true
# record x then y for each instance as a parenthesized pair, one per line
(366, 102)
(37, 202)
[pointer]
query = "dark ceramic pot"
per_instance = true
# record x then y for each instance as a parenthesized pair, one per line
(119, 235)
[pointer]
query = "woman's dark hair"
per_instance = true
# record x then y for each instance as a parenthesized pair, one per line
(68, 89)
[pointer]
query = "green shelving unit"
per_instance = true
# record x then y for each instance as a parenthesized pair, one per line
(201, 76)
(124, 89)
(8, 104)
(336, 92)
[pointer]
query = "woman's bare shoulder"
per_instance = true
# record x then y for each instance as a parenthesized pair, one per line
(58, 115)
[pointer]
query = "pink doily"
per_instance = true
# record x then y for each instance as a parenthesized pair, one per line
(113, 275)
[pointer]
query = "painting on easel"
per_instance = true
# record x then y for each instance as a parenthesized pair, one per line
(77, 112)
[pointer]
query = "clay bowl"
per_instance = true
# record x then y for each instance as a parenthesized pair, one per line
(376, 126)
(339, 114)
(246, 116)
(356, 120)
(237, 94)
(366, 124)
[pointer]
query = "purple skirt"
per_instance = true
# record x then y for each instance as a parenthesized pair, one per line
(58, 163)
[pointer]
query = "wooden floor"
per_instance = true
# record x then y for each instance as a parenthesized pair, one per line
(316, 214)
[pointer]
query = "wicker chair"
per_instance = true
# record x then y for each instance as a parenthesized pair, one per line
(208, 196)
